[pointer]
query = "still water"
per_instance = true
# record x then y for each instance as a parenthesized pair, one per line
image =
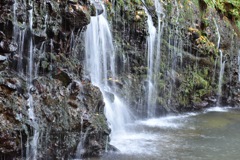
(213, 134)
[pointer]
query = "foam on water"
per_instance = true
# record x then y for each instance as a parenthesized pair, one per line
(160, 122)
(174, 121)
(135, 143)
(217, 109)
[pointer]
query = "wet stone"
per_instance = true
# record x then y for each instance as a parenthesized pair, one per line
(3, 58)
(8, 46)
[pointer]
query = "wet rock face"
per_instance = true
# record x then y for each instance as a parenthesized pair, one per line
(63, 114)
(7, 47)
(68, 109)
(9, 137)
(188, 77)
(75, 16)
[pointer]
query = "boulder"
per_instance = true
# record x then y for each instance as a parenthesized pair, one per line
(7, 46)
(201, 105)
(63, 76)
(76, 16)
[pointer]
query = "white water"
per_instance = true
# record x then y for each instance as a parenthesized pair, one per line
(154, 55)
(32, 151)
(151, 57)
(222, 65)
(19, 36)
(202, 135)
(98, 50)
(142, 136)
(217, 109)
(218, 33)
(100, 66)
(160, 15)
(221, 73)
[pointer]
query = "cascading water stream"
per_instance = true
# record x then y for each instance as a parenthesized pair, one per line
(19, 36)
(100, 66)
(160, 16)
(154, 55)
(151, 44)
(221, 63)
(100, 60)
(221, 73)
(32, 151)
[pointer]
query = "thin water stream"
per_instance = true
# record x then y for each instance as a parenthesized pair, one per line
(209, 135)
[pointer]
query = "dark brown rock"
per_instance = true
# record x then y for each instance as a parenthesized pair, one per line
(7, 46)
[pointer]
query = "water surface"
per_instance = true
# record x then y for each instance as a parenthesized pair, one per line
(213, 134)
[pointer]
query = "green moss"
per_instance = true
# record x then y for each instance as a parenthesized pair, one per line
(183, 100)
(199, 81)
(228, 8)
(100, 121)
(136, 1)
(121, 2)
(194, 87)
(149, 3)
(161, 84)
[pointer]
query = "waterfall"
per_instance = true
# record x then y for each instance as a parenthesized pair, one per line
(222, 66)
(32, 152)
(151, 43)
(100, 67)
(100, 64)
(154, 55)
(218, 33)
(160, 15)
(221, 63)
(19, 36)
